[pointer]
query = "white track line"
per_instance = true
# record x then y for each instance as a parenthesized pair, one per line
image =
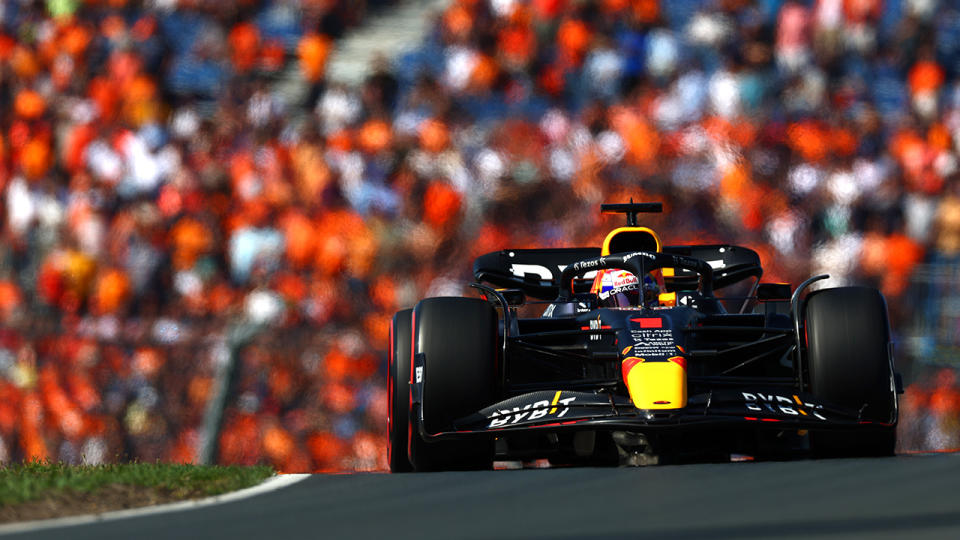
(271, 484)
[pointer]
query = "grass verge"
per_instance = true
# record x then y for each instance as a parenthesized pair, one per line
(41, 490)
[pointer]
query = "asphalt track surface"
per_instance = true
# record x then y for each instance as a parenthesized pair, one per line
(915, 496)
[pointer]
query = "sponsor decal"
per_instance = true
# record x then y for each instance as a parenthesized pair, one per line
(614, 282)
(603, 295)
(580, 307)
(639, 254)
(595, 263)
(557, 408)
(522, 270)
(653, 341)
(595, 324)
(419, 374)
(776, 404)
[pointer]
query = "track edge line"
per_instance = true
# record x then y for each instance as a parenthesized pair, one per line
(273, 483)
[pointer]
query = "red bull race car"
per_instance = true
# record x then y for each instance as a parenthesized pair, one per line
(635, 353)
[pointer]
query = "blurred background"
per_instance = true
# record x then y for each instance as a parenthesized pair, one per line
(211, 205)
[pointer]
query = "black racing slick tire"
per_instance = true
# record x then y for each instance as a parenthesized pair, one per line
(458, 340)
(398, 412)
(849, 365)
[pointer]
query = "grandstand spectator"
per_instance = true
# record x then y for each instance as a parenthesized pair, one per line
(160, 190)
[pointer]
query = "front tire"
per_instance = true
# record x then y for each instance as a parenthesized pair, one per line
(849, 365)
(458, 340)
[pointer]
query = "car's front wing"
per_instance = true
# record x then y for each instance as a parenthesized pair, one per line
(563, 409)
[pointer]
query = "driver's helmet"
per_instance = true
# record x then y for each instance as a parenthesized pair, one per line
(620, 288)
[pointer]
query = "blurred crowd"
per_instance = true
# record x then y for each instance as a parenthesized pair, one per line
(160, 190)
(930, 413)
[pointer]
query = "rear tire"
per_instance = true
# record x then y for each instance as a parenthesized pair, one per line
(398, 416)
(458, 340)
(849, 365)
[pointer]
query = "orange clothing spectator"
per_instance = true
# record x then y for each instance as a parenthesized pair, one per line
(375, 136)
(311, 173)
(240, 441)
(189, 239)
(517, 45)
(548, 9)
(75, 39)
(441, 205)
(301, 240)
(641, 139)
(339, 397)
(139, 105)
(29, 104)
(484, 74)
(35, 158)
(383, 292)
(105, 95)
(24, 63)
(614, 6)
(938, 137)
(843, 142)
(111, 291)
(904, 253)
(290, 286)
(341, 140)
(278, 445)
(364, 207)
(244, 40)
(198, 391)
(7, 44)
(10, 298)
(313, 51)
(327, 450)
(808, 139)
(458, 21)
(646, 11)
(75, 145)
(573, 37)
(78, 270)
(337, 365)
(434, 135)
(873, 254)
(377, 326)
(183, 450)
(82, 390)
(925, 76)
(113, 27)
(331, 250)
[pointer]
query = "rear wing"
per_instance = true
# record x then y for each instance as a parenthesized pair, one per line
(536, 271)
(731, 264)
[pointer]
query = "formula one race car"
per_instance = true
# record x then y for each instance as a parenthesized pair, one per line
(638, 354)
